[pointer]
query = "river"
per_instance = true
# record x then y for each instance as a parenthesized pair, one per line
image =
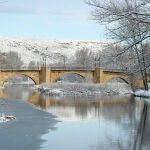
(73, 123)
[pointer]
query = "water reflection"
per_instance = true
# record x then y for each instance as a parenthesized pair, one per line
(24, 132)
(71, 108)
(144, 127)
(87, 124)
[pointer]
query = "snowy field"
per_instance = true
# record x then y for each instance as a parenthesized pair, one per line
(86, 89)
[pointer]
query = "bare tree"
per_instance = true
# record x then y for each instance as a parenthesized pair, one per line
(14, 60)
(62, 58)
(129, 25)
(10, 60)
(32, 64)
(84, 57)
(111, 10)
(106, 59)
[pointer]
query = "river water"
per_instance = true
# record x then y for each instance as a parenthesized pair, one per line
(74, 123)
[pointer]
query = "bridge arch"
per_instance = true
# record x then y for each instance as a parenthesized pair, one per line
(21, 75)
(74, 75)
(119, 78)
(6, 74)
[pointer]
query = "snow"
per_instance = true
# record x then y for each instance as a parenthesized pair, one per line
(84, 89)
(33, 49)
(142, 93)
(5, 118)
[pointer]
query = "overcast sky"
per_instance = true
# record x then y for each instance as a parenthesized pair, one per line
(53, 19)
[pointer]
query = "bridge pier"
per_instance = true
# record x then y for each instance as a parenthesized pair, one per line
(98, 75)
(45, 75)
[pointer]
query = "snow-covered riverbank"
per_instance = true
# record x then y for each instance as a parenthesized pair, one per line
(142, 93)
(61, 89)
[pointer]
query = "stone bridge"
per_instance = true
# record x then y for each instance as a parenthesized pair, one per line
(47, 74)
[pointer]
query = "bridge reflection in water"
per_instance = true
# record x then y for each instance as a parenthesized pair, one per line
(75, 107)
(116, 120)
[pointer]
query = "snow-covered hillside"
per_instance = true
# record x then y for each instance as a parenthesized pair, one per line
(33, 49)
